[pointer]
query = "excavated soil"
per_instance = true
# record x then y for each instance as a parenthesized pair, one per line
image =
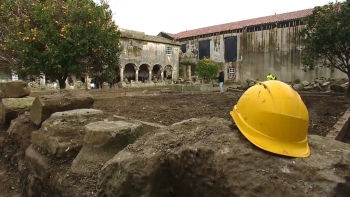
(170, 108)
(10, 185)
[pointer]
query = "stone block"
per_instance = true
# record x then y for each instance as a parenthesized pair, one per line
(63, 100)
(102, 141)
(37, 163)
(11, 108)
(62, 134)
(14, 89)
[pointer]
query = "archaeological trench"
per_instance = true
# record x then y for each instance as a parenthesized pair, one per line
(62, 147)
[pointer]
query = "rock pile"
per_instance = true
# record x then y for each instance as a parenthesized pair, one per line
(54, 85)
(323, 85)
(319, 85)
(242, 85)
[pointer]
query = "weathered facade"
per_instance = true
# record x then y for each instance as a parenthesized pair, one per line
(147, 56)
(256, 47)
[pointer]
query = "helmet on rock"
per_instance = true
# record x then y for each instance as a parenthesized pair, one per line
(272, 116)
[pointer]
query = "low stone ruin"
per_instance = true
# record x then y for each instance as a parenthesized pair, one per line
(45, 105)
(15, 100)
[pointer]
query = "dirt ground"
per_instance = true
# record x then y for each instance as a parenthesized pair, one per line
(9, 177)
(170, 108)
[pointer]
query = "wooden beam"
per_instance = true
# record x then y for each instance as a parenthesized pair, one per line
(343, 132)
(341, 128)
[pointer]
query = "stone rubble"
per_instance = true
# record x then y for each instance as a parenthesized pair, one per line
(319, 85)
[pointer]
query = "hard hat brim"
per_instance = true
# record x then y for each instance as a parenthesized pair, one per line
(290, 149)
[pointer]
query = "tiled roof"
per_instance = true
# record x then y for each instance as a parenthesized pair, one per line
(245, 23)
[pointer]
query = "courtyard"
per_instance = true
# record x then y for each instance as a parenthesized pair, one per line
(168, 108)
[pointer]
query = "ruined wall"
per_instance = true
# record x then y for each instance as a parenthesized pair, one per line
(140, 49)
(276, 50)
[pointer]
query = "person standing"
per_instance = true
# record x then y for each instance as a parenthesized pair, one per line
(271, 77)
(221, 78)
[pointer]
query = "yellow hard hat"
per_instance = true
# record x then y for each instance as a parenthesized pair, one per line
(272, 116)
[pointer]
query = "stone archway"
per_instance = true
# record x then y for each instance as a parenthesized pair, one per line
(167, 73)
(129, 72)
(156, 71)
(143, 72)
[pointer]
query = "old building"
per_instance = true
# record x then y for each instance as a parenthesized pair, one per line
(145, 57)
(253, 48)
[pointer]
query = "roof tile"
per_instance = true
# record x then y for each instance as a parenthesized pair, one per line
(245, 23)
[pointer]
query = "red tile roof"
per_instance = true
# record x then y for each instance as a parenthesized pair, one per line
(245, 23)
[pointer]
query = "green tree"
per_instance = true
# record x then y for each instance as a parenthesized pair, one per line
(9, 10)
(327, 37)
(207, 69)
(62, 37)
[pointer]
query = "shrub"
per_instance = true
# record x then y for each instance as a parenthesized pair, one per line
(207, 69)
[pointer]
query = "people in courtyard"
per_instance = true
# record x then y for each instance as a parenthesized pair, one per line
(221, 78)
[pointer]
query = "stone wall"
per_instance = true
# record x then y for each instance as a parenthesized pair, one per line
(275, 50)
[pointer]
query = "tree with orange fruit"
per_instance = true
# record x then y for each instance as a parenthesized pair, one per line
(327, 37)
(62, 37)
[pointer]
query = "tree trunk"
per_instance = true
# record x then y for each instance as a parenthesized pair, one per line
(62, 83)
(62, 80)
(86, 83)
(11, 108)
(45, 105)
(347, 94)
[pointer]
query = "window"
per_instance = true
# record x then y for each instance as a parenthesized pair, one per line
(169, 50)
(183, 48)
(232, 72)
(204, 49)
(231, 49)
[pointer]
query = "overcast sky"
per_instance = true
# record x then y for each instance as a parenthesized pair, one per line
(154, 16)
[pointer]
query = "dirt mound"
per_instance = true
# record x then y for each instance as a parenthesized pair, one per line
(205, 157)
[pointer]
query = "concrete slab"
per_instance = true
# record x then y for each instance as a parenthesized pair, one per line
(340, 128)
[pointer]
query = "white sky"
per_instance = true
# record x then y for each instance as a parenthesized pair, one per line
(154, 16)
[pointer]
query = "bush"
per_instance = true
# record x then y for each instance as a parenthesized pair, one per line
(207, 69)
(228, 82)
